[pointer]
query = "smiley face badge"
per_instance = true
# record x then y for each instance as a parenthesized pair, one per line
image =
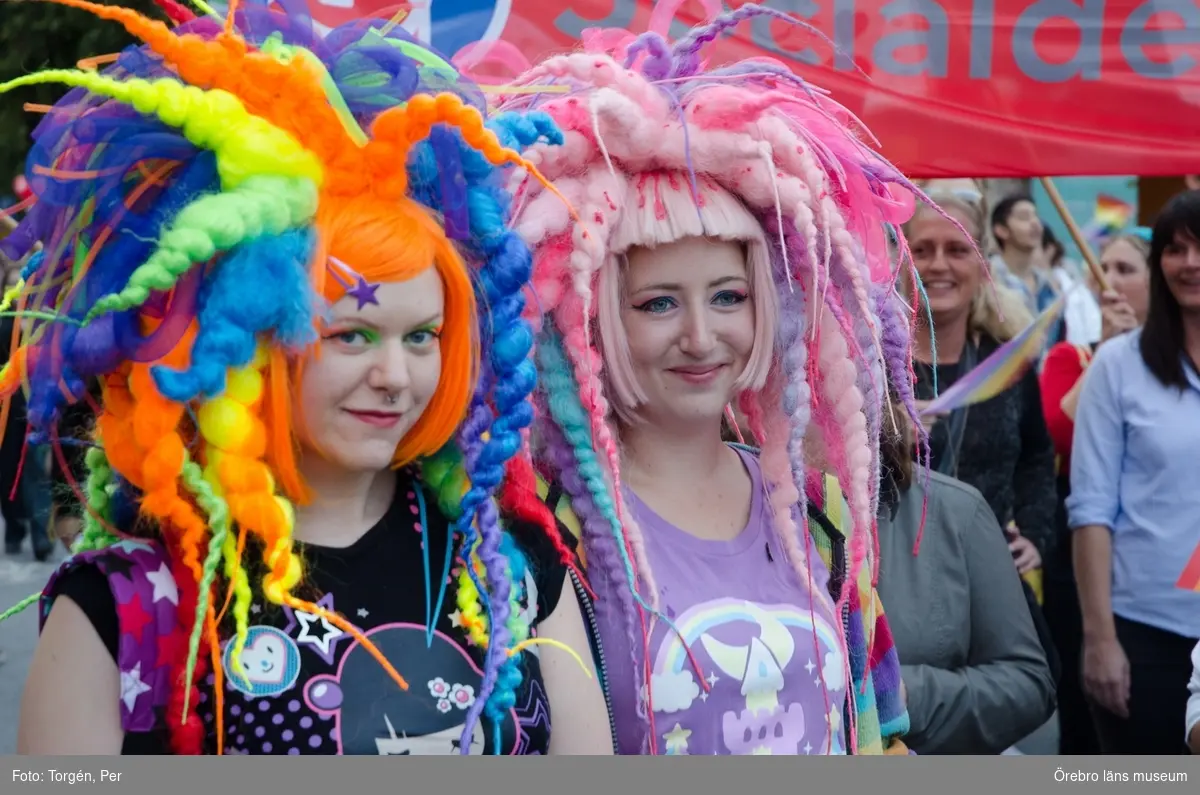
(269, 663)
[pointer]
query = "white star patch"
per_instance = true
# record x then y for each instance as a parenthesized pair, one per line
(328, 631)
(362, 612)
(164, 585)
(132, 686)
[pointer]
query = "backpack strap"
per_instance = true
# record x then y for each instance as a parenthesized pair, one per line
(146, 598)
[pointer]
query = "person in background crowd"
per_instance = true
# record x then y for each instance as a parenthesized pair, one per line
(1123, 261)
(999, 446)
(1134, 504)
(1019, 264)
(1081, 317)
(1193, 706)
(973, 666)
(69, 472)
(19, 476)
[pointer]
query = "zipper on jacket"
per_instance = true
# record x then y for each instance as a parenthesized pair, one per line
(585, 601)
(838, 572)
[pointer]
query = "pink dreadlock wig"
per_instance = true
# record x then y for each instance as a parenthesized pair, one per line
(657, 148)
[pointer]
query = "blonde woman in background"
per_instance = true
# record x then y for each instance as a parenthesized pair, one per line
(1000, 446)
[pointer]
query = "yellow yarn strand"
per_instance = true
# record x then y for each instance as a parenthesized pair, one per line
(558, 644)
(12, 294)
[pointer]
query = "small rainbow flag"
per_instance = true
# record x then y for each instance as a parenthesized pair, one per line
(1003, 368)
(1110, 217)
(1189, 580)
(1111, 211)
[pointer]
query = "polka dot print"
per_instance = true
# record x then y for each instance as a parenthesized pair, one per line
(289, 723)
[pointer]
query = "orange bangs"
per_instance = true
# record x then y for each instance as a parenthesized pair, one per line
(394, 241)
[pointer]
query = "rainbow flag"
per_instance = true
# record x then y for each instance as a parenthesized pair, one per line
(1110, 217)
(1003, 368)
(1112, 211)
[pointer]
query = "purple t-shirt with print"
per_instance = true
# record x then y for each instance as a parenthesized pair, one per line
(773, 659)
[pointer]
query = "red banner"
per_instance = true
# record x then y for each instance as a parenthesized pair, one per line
(982, 88)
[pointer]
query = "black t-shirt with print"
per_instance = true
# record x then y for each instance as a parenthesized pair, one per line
(313, 689)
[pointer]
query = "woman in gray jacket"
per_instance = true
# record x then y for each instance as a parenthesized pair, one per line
(974, 669)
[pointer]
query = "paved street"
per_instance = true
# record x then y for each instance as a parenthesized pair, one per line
(20, 576)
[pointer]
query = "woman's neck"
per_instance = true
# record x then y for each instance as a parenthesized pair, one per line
(951, 338)
(653, 455)
(345, 504)
(1020, 263)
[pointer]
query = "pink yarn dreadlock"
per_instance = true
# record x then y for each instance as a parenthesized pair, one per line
(823, 200)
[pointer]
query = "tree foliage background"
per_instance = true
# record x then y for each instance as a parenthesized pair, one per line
(37, 35)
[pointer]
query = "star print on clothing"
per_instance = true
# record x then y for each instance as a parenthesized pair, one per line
(363, 612)
(456, 618)
(315, 631)
(116, 564)
(134, 618)
(164, 585)
(131, 546)
(677, 740)
(132, 686)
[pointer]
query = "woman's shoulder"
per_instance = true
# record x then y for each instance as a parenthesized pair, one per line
(137, 575)
(1119, 349)
(949, 497)
(131, 598)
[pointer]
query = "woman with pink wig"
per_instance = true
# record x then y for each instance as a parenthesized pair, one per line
(729, 225)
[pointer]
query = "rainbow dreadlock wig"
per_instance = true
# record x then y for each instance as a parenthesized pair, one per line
(198, 204)
(658, 146)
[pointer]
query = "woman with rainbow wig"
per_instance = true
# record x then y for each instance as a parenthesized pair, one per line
(309, 527)
(731, 223)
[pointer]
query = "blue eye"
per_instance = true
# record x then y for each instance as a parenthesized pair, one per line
(351, 337)
(729, 298)
(424, 336)
(421, 338)
(656, 305)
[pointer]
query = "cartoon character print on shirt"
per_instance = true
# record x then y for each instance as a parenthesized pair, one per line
(374, 716)
(270, 663)
(761, 653)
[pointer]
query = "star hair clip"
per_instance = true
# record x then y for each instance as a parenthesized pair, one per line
(362, 290)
